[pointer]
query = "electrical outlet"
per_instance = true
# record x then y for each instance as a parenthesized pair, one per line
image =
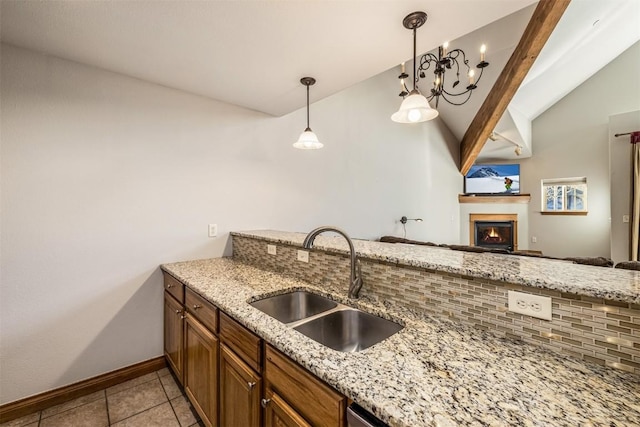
(213, 230)
(303, 256)
(625, 218)
(531, 305)
(534, 239)
(271, 249)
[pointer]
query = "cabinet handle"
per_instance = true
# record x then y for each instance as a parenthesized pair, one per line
(169, 285)
(251, 385)
(196, 306)
(265, 402)
(178, 311)
(183, 317)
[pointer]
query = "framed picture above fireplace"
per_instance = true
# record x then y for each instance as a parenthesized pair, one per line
(493, 179)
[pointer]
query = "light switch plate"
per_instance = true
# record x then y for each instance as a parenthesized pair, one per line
(213, 230)
(303, 256)
(271, 249)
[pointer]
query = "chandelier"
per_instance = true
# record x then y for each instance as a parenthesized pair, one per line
(454, 60)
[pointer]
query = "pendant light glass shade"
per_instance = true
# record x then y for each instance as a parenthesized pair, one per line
(414, 109)
(308, 141)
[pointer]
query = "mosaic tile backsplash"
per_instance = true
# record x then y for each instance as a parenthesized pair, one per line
(594, 329)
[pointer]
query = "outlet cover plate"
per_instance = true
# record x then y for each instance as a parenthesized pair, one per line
(530, 305)
(303, 256)
(271, 249)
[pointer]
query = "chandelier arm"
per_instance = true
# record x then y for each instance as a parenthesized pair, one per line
(406, 89)
(455, 94)
(426, 59)
(456, 104)
(479, 76)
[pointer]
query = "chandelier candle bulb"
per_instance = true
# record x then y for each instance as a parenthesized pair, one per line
(471, 76)
(445, 46)
(483, 49)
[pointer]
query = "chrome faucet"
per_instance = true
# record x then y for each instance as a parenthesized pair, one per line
(355, 277)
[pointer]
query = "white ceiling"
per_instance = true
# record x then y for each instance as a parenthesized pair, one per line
(252, 53)
(248, 53)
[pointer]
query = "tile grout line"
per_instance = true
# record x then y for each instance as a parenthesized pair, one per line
(106, 404)
(138, 413)
(169, 400)
(148, 409)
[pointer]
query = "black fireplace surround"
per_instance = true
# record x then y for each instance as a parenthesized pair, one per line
(494, 234)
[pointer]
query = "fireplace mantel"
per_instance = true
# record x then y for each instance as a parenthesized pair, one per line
(514, 198)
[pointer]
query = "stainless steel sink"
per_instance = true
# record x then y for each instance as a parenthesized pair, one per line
(294, 306)
(348, 330)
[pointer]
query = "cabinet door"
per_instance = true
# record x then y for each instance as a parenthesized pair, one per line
(306, 394)
(201, 370)
(279, 414)
(239, 391)
(173, 333)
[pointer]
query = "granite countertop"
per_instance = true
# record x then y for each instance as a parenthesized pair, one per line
(599, 282)
(434, 372)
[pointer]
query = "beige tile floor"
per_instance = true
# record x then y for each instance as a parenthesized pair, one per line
(151, 400)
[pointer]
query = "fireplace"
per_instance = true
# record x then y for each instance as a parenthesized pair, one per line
(494, 234)
(497, 231)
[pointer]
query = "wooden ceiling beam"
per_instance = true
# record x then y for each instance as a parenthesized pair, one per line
(540, 27)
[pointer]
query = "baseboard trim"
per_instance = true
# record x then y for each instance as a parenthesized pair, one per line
(28, 405)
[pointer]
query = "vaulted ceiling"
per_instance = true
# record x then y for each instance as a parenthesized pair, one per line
(253, 53)
(248, 53)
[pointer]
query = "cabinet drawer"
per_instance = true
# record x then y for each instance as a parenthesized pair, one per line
(174, 287)
(245, 343)
(202, 310)
(315, 401)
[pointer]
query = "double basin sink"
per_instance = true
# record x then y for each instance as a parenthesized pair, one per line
(332, 324)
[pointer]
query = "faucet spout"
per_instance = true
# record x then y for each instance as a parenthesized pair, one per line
(355, 275)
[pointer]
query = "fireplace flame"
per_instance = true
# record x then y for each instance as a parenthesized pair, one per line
(493, 233)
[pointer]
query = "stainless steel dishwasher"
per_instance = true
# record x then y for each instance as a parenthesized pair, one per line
(357, 416)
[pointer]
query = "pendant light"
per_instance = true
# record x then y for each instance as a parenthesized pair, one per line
(308, 140)
(414, 108)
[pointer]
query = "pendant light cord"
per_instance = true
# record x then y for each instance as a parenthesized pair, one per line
(414, 57)
(308, 128)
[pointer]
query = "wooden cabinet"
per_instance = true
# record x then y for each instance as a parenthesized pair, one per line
(240, 389)
(173, 335)
(201, 370)
(278, 414)
(240, 380)
(222, 364)
(203, 310)
(246, 344)
(310, 398)
(174, 287)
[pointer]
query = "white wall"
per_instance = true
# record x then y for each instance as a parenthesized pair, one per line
(104, 177)
(571, 139)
